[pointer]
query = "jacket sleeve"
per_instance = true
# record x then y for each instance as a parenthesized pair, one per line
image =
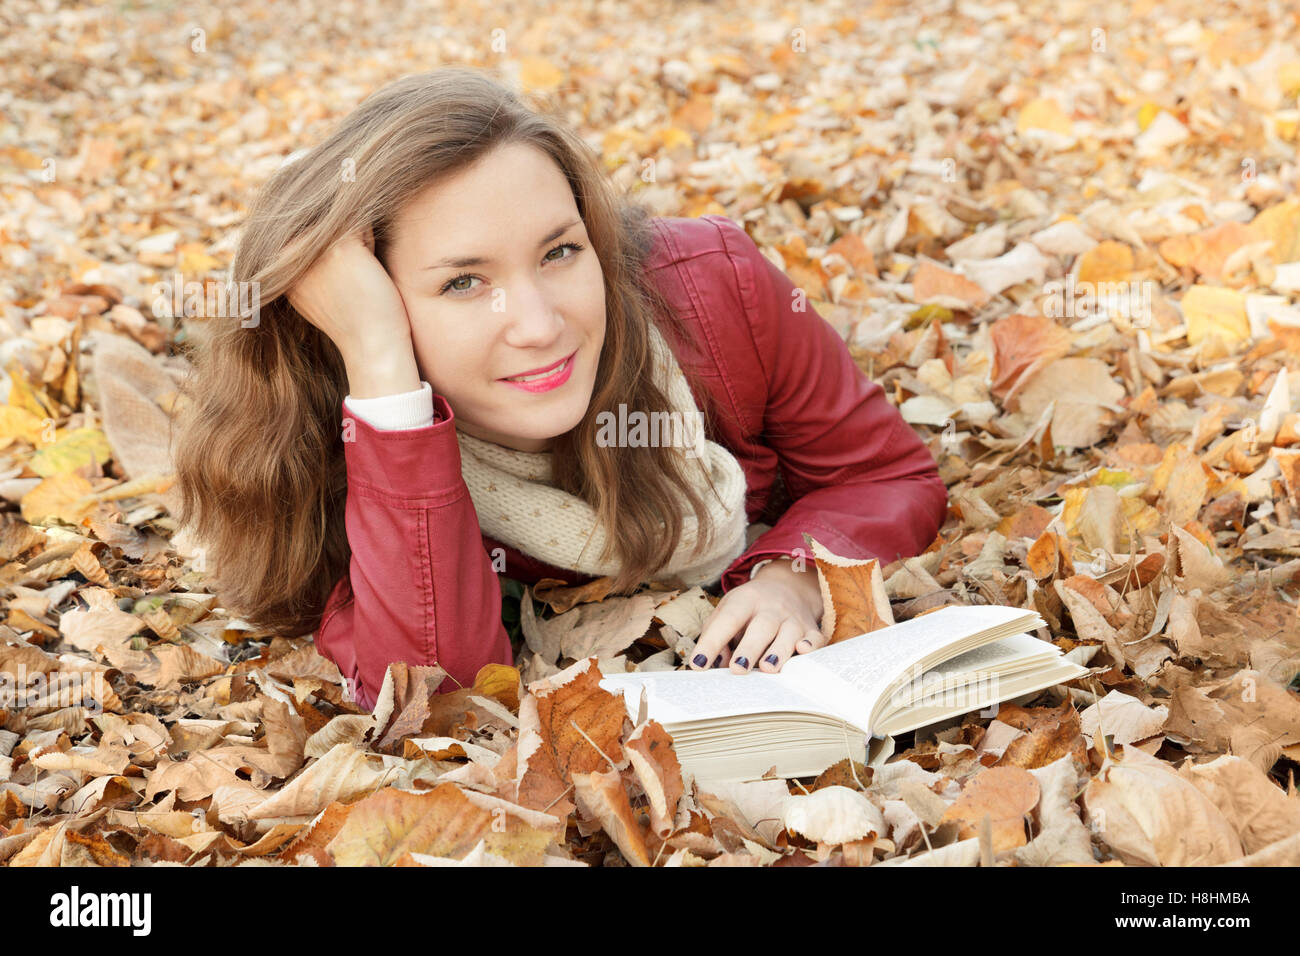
(861, 480)
(420, 587)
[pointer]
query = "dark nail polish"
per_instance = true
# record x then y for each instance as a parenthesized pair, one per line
(771, 659)
(742, 662)
(699, 660)
(717, 660)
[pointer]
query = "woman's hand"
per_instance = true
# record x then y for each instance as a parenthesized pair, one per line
(348, 295)
(779, 613)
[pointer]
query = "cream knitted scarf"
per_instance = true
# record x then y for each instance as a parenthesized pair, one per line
(518, 504)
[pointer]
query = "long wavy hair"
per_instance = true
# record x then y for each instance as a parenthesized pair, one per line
(261, 474)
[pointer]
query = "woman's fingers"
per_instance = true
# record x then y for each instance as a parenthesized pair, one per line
(762, 628)
(782, 649)
(810, 642)
(727, 618)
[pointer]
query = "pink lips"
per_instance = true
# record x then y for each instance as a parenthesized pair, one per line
(555, 380)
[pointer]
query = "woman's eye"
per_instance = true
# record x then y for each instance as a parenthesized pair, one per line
(451, 286)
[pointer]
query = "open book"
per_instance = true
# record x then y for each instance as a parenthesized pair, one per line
(824, 705)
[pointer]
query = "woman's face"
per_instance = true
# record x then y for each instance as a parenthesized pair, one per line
(529, 301)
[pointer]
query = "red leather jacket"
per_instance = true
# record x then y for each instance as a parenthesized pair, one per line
(790, 401)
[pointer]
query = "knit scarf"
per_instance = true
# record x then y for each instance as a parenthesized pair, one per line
(518, 504)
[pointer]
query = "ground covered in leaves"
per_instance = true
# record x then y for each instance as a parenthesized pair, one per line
(950, 183)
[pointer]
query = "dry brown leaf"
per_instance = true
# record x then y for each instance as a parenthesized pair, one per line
(1050, 735)
(442, 822)
(650, 749)
(602, 797)
(1005, 795)
(1150, 816)
(1022, 346)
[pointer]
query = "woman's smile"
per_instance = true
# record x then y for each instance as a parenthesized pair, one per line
(545, 380)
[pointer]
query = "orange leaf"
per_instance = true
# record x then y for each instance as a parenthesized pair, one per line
(66, 497)
(933, 283)
(1206, 251)
(1107, 261)
(92, 850)
(603, 798)
(1051, 733)
(556, 720)
(650, 748)
(561, 597)
(853, 594)
(442, 822)
(1022, 345)
(1005, 794)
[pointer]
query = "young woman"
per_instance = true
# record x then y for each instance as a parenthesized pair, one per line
(458, 310)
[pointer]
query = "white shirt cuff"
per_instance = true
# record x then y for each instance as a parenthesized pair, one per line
(400, 412)
(758, 566)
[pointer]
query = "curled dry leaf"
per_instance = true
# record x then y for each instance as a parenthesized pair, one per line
(1062, 836)
(853, 594)
(650, 749)
(602, 797)
(1049, 734)
(833, 815)
(1123, 717)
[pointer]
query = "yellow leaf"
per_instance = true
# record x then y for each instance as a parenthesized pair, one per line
(538, 73)
(1044, 114)
(1280, 223)
(194, 260)
(18, 422)
(1107, 261)
(501, 683)
(66, 497)
(670, 137)
(1114, 477)
(23, 395)
(77, 449)
(1146, 115)
(1288, 78)
(1212, 310)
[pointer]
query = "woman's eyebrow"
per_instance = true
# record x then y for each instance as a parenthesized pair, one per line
(462, 262)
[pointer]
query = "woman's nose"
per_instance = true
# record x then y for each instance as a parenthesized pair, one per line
(532, 319)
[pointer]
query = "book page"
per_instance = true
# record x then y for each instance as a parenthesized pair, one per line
(679, 696)
(994, 656)
(988, 663)
(851, 677)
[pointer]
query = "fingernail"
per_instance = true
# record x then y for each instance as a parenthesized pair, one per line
(742, 662)
(717, 660)
(699, 660)
(771, 659)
